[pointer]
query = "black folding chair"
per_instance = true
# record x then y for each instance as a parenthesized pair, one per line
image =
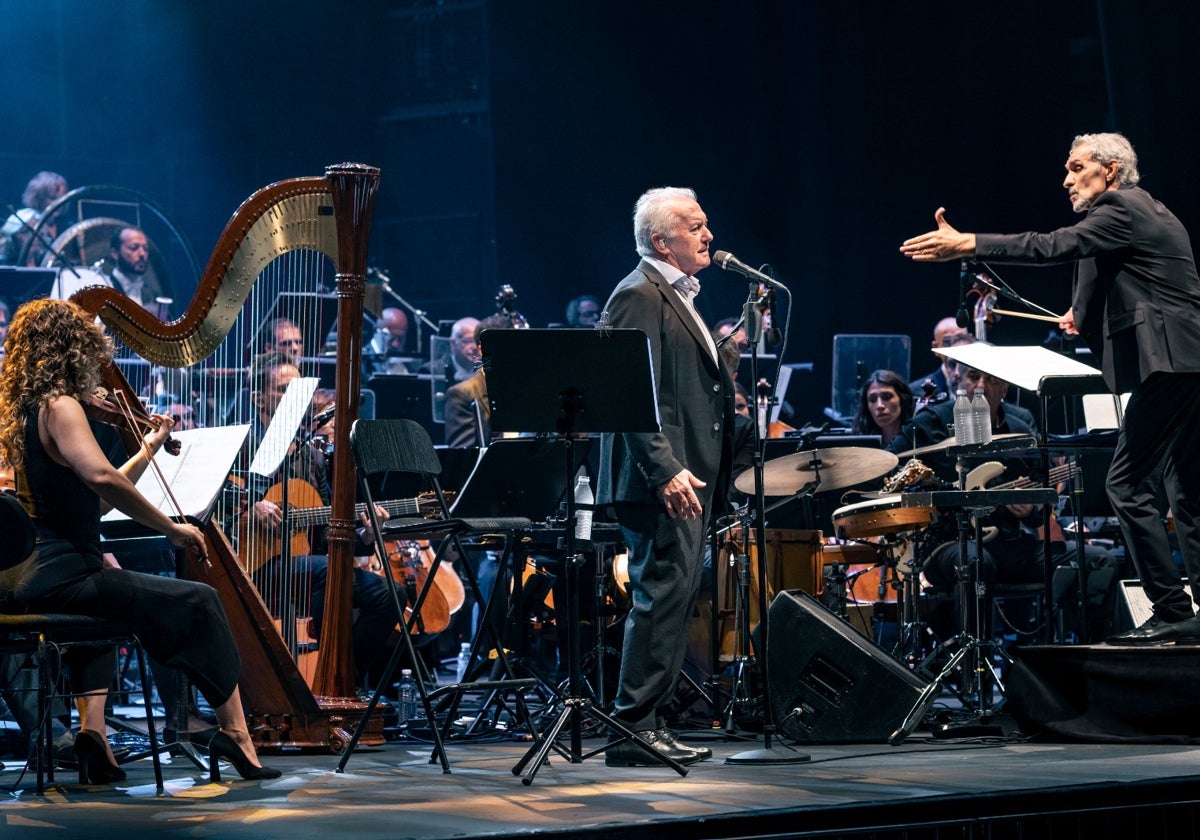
(403, 446)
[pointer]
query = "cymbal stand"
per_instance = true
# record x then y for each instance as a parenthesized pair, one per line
(911, 627)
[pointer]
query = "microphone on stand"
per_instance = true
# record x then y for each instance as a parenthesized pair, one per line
(963, 318)
(729, 262)
(322, 417)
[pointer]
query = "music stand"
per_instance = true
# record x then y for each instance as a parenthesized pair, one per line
(561, 382)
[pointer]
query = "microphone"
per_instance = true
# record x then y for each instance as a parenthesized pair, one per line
(963, 318)
(322, 417)
(729, 262)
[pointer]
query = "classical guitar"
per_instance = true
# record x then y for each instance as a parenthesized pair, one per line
(306, 509)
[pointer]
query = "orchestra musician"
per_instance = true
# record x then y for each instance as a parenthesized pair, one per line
(885, 404)
(663, 485)
(65, 482)
(1136, 302)
(270, 374)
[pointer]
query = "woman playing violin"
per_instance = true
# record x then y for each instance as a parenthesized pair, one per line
(54, 353)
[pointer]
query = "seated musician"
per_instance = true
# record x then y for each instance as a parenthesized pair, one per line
(885, 404)
(260, 545)
(942, 382)
(50, 370)
(468, 413)
(1015, 553)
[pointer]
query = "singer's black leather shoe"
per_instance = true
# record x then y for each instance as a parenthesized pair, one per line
(1157, 631)
(673, 737)
(629, 754)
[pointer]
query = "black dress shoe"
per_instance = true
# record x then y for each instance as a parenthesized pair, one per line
(629, 754)
(1189, 631)
(1155, 631)
(673, 737)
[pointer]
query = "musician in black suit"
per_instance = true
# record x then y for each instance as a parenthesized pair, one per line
(663, 484)
(1136, 302)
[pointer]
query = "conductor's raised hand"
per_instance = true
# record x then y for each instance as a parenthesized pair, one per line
(679, 495)
(941, 244)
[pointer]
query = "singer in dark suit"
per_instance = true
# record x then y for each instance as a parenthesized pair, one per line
(1136, 302)
(663, 485)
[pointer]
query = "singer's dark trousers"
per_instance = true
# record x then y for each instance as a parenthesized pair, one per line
(1159, 448)
(666, 559)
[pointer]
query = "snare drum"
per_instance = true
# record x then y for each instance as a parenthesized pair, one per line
(879, 517)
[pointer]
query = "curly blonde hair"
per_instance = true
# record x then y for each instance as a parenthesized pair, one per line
(54, 348)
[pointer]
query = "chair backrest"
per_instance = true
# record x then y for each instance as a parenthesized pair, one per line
(16, 532)
(393, 446)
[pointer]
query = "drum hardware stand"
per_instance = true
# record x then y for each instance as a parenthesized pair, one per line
(739, 693)
(971, 652)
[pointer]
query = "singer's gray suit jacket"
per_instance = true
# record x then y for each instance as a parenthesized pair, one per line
(1137, 297)
(695, 401)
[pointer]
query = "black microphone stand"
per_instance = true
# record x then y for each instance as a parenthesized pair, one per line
(36, 233)
(753, 320)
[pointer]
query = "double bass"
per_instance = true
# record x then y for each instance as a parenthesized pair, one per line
(275, 243)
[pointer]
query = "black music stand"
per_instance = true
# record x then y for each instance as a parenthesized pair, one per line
(561, 382)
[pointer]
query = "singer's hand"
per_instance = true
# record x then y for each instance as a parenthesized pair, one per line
(945, 243)
(1067, 323)
(679, 495)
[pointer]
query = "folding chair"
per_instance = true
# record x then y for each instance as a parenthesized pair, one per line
(403, 446)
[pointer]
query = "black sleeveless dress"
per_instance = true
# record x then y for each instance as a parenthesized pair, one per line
(181, 623)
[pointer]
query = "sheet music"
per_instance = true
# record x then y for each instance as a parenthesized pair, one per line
(284, 425)
(1024, 367)
(195, 476)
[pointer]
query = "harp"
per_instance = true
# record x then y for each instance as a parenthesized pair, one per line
(286, 239)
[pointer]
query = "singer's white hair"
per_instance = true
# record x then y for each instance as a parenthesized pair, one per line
(655, 213)
(1110, 147)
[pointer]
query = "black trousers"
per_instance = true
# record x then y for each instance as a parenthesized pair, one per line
(1159, 447)
(666, 559)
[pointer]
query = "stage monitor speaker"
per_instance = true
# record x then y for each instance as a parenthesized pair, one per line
(1133, 607)
(829, 685)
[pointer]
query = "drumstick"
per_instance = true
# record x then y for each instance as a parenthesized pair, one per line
(1054, 319)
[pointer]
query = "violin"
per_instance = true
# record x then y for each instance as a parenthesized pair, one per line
(410, 562)
(113, 409)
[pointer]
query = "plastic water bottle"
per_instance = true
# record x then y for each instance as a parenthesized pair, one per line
(464, 662)
(583, 513)
(964, 426)
(407, 708)
(981, 415)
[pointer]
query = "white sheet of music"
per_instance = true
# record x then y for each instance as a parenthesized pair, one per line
(284, 425)
(1023, 366)
(196, 475)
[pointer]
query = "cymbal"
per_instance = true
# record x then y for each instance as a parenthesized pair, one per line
(948, 442)
(831, 469)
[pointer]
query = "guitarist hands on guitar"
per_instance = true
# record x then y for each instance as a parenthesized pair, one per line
(270, 515)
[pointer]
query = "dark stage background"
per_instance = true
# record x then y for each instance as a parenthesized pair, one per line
(514, 135)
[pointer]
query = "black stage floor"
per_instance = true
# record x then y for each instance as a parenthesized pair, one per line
(923, 788)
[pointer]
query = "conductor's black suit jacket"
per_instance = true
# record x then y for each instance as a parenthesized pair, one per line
(1136, 298)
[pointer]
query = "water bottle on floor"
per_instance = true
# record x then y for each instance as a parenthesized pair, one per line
(406, 709)
(464, 662)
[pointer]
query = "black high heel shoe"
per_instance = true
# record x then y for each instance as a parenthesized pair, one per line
(223, 747)
(94, 767)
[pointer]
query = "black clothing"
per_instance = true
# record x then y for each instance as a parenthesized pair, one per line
(179, 622)
(1136, 302)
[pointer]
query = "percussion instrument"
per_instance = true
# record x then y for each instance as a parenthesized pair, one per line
(879, 517)
(819, 471)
